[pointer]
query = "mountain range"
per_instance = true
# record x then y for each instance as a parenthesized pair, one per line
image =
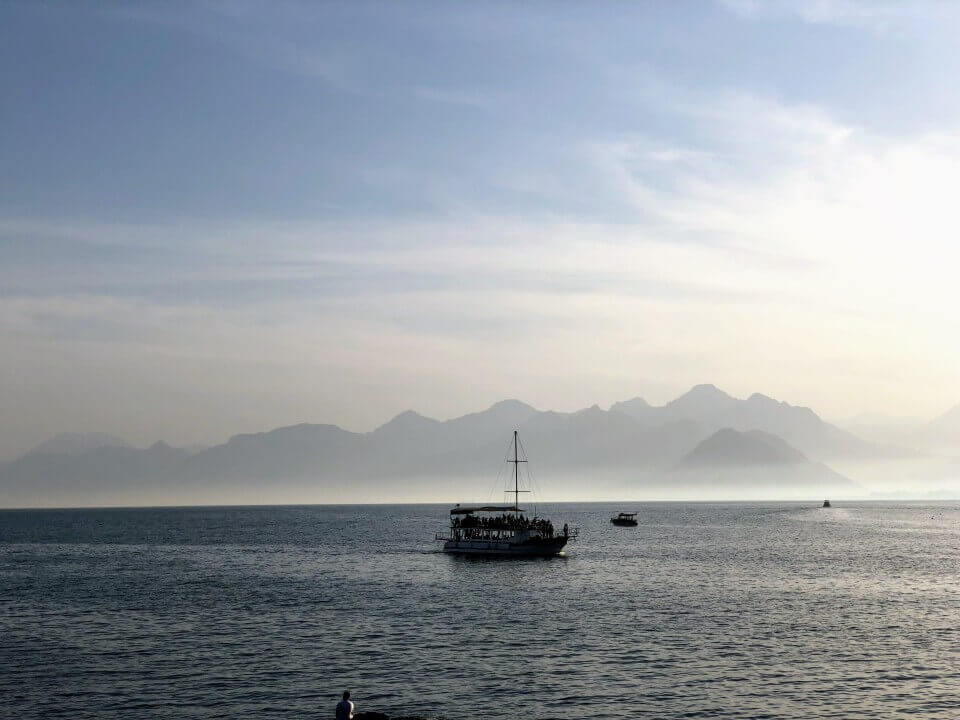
(703, 438)
(714, 409)
(77, 443)
(939, 436)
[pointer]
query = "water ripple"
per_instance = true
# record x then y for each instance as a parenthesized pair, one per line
(704, 611)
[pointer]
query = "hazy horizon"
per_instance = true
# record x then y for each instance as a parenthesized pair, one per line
(704, 445)
(882, 422)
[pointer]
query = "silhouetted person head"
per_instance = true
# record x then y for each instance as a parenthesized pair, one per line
(345, 707)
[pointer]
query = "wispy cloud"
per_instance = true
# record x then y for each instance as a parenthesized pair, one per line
(877, 14)
(558, 199)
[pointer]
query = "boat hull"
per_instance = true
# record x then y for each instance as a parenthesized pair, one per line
(542, 547)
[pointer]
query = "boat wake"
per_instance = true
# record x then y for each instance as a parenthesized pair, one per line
(821, 514)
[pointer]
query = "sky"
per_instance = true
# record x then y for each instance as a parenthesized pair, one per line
(226, 217)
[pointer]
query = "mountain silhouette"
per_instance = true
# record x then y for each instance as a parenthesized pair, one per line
(71, 443)
(714, 409)
(625, 449)
(99, 476)
(732, 447)
(942, 434)
(758, 463)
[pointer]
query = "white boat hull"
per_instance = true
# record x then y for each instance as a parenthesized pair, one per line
(542, 547)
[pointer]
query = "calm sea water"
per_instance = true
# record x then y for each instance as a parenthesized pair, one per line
(712, 611)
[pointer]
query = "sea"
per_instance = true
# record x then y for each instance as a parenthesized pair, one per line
(729, 610)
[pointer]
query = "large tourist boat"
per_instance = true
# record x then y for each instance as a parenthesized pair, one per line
(504, 530)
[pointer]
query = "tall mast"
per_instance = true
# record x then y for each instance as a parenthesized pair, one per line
(516, 476)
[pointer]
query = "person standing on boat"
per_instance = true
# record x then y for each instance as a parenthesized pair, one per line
(345, 707)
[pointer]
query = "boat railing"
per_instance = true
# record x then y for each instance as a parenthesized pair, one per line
(571, 534)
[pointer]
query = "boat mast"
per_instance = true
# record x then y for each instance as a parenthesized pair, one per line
(516, 476)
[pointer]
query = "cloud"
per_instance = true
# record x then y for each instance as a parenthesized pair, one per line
(774, 204)
(635, 227)
(876, 14)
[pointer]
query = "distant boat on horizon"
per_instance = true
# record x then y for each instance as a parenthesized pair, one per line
(625, 519)
(826, 503)
(504, 530)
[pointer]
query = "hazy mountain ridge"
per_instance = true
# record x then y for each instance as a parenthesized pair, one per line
(939, 436)
(304, 450)
(416, 454)
(941, 433)
(752, 447)
(757, 462)
(102, 473)
(715, 409)
(71, 443)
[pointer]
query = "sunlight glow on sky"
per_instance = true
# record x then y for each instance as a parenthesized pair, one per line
(226, 217)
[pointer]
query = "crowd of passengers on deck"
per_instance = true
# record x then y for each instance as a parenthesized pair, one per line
(504, 522)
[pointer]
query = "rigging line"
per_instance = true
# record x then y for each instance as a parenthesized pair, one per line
(496, 482)
(531, 480)
(536, 485)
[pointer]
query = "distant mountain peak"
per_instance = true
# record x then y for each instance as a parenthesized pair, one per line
(72, 443)
(638, 409)
(706, 390)
(511, 404)
(407, 420)
(706, 387)
(761, 400)
(592, 410)
(410, 416)
(701, 398)
(734, 447)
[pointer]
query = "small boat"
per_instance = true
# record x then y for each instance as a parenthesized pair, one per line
(826, 503)
(625, 519)
(504, 530)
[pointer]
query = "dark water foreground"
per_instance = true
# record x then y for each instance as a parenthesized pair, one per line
(712, 611)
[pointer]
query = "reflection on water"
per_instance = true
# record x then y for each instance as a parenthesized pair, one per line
(726, 610)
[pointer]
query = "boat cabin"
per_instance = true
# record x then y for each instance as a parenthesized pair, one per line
(625, 518)
(495, 522)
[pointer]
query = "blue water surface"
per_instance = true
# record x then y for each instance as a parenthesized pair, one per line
(703, 611)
